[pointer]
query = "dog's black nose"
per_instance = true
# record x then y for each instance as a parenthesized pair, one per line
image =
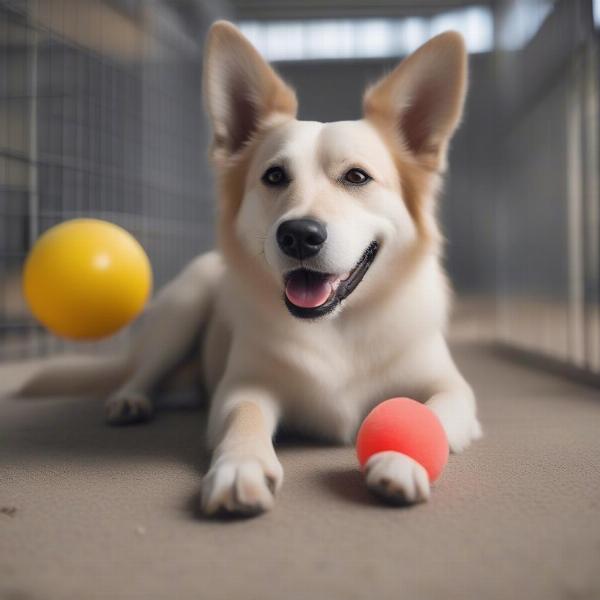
(301, 238)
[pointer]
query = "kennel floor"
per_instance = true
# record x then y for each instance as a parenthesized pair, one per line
(92, 512)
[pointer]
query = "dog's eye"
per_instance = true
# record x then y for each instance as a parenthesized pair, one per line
(357, 177)
(275, 176)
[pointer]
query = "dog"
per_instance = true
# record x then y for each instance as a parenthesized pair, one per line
(326, 294)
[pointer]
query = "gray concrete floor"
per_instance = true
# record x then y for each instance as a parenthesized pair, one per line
(107, 513)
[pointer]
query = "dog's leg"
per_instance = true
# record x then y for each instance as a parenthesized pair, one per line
(174, 332)
(454, 404)
(171, 326)
(452, 400)
(448, 395)
(245, 473)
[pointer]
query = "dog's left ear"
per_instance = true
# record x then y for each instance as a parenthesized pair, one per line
(422, 99)
(241, 90)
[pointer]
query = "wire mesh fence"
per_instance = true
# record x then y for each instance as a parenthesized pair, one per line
(100, 116)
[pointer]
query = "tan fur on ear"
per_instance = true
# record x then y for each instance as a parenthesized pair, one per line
(241, 90)
(422, 99)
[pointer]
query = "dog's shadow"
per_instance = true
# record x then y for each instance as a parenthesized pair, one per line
(73, 429)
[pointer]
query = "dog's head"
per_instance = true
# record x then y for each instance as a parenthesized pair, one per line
(320, 215)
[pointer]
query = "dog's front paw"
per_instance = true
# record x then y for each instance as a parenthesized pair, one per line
(461, 433)
(458, 420)
(243, 486)
(397, 478)
(127, 409)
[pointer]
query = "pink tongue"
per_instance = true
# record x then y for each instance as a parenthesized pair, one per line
(307, 291)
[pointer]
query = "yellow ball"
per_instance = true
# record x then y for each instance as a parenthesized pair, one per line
(85, 279)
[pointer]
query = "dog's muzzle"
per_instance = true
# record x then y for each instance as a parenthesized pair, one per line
(311, 294)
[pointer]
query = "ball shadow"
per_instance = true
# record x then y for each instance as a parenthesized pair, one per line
(348, 484)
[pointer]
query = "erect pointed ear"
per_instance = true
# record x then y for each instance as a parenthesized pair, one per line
(240, 89)
(422, 99)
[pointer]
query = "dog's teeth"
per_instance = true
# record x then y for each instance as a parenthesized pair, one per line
(334, 282)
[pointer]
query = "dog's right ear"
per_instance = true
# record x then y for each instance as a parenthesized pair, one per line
(421, 101)
(241, 90)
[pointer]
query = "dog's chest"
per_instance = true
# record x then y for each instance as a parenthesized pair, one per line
(326, 388)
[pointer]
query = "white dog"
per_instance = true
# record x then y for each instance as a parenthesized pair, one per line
(326, 295)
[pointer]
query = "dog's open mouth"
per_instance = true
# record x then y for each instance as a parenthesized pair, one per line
(311, 294)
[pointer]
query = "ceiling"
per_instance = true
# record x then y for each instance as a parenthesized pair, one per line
(320, 9)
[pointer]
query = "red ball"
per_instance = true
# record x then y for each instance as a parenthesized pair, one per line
(405, 426)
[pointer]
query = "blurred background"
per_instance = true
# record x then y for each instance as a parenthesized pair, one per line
(101, 115)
